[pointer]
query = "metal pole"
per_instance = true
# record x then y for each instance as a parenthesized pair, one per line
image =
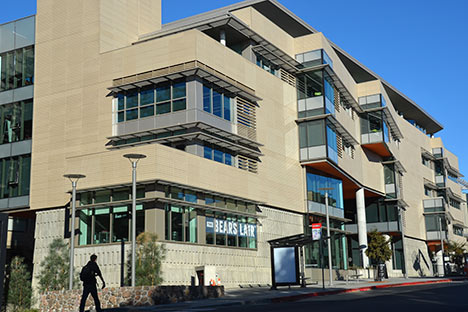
(441, 243)
(134, 166)
(330, 273)
(72, 237)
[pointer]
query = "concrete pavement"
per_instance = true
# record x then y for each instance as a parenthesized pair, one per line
(256, 295)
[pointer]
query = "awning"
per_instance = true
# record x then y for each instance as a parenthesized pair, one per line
(205, 191)
(277, 56)
(399, 201)
(207, 207)
(297, 240)
(194, 130)
(399, 167)
(184, 70)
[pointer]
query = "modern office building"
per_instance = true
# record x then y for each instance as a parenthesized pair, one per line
(245, 114)
(16, 115)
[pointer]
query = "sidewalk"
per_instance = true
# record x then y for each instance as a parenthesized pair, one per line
(244, 296)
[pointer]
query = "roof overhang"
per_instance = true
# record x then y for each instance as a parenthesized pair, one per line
(184, 70)
(398, 165)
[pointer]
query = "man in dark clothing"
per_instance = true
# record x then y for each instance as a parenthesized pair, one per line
(89, 285)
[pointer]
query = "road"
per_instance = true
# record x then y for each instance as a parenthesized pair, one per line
(437, 297)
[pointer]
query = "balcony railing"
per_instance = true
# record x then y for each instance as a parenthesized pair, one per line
(434, 204)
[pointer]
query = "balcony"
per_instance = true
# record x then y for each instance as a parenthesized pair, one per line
(314, 58)
(384, 227)
(434, 205)
(440, 180)
(435, 235)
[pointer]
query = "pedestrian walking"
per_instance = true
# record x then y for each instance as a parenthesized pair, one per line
(88, 277)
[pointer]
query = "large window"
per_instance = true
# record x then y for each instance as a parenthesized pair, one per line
(16, 119)
(311, 134)
(216, 102)
(15, 175)
(230, 230)
(17, 68)
(214, 153)
(149, 101)
(181, 224)
(316, 134)
(266, 64)
(315, 192)
(379, 211)
(432, 223)
(108, 224)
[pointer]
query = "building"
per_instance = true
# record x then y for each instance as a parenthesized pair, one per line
(245, 114)
(16, 116)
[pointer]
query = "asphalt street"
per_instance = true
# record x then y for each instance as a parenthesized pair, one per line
(441, 297)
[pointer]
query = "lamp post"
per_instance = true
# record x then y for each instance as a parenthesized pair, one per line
(330, 273)
(403, 243)
(134, 159)
(74, 180)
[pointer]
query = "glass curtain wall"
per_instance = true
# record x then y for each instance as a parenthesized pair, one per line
(315, 94)
(314, 193)
(16, 68)
(15, 175)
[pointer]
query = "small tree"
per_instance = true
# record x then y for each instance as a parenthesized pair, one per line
(149, 256)
(19, 289)
(457, 251)
(378, 248)
(54, 268)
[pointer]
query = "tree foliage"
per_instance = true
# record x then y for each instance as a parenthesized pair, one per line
(19, 288)
(55, 267)
(378, 248)
(149, 256)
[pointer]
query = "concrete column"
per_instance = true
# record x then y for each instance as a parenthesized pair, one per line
(389, 263)
(362, 226)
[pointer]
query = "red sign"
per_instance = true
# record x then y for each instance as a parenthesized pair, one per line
(316, 225)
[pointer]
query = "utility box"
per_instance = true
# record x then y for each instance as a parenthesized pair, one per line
(206, 274)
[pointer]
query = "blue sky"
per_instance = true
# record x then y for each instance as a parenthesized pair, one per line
(419, 46)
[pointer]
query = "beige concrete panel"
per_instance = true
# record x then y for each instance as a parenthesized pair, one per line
(454, 187)
(418, 261)
(372, 170)
(121, 22)
(267, 29)
(457, 214)
(369, 88)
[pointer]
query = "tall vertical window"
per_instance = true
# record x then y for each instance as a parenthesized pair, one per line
(15, 176)
(181, 224)
(216, 102)
(16, 119)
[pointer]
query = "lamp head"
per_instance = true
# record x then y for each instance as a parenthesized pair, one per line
(74, 177)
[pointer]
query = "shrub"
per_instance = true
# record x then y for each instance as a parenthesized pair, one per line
(378, 248)
(19, 288)
(149, 256)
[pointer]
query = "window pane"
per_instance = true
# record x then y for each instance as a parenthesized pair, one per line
(25, 175)
(102, 197)
(217, 110)
(232, 231)
(228, 159)
(163, 108)
(303, 135)
(218, 156)
(132, 99)
(121, 117)
(210, 228)
(146, 97)
(190, 196)
(28, 66)
(372, 213)
(220, 230)
(120, 101)
(122, 194)
(207, 152)
(315, 133)
(227, 107)
(206, 99)
(147, 111)
(101, 226)
(176, 223)
(132, 114)
(120, 224)
(178, 90)
(191, 228)
(140, 220)
(179, 105)
(163, 93)
(209, 200)
(85, 227)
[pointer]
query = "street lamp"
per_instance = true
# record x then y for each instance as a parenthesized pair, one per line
(74, 180)
(134, 159)
(330, 273)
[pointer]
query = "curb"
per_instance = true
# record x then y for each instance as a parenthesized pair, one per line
(351, 290)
